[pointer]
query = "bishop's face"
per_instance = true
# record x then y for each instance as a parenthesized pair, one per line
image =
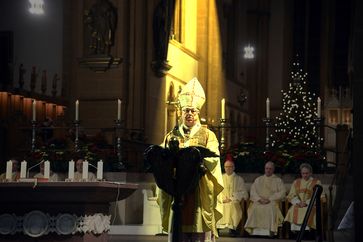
(190, 116)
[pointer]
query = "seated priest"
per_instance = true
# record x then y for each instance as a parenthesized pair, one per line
(53, 177)
(200, 209)
(264, 215)
(233, 193)
(79, 171)
(299, 196)
(15, 175)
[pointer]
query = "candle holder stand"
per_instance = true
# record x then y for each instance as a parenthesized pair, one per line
(119, 128)
(76, 139)
(223, 132)
(34, 125)
(268, 125)
(318, 121)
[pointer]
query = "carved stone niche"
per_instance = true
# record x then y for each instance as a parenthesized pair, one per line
(100, 23)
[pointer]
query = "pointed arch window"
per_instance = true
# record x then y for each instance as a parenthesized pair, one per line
(177, 22)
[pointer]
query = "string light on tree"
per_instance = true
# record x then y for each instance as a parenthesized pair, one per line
(295, 124)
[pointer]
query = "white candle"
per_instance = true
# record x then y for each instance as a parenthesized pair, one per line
(223, 108)
(23, 169)
(100, 170)
(77, 111)
(119, 109)
(319, 107)
(267, 108)
(71, 170)
(46, 169)
(85, 170)
(34, 108)
(9, 170)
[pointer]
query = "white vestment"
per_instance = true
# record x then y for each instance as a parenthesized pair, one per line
(52, 178)
(78, 177)
(234, 189)
(264, 219)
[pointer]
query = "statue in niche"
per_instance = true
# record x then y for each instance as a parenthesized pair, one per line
(54, 84)
(101, 19)
(43, 84)
(172, 118)
(160, 35)
(21, 76)
(162, 17)
(33, 79)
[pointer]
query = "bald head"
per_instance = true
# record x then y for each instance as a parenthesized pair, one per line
(269, 168)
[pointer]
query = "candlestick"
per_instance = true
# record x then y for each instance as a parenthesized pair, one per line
(223, 108)
(23, 169)
(118, 109)
(9, 170)
(100, 170)
(118, 130)
(77, 111)
(71, 170)
(34, 107)
(34, 124)
(267, 122)
(319, 107)
(223, 139)
(46, 169)
(267, 108)
(85, 170)
(76, 138)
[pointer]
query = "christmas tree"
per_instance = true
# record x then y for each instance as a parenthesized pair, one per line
(295, 138)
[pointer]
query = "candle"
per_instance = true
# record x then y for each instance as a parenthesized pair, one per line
(100, 170)
(267, 108)
(319, 107)
(223, 110)
(71, 170)
(23, 169)
(34, 107)
(77, 111)
(46, 169)
(9, 170)
(85, 170)
(119, 109)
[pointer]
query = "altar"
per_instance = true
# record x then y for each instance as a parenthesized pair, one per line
(58, 211)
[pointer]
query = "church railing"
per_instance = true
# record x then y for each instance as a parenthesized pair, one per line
(315, 201)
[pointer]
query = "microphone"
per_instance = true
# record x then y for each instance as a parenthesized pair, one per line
(38, 164)
(89, 164)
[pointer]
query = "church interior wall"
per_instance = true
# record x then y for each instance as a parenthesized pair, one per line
(37, 41)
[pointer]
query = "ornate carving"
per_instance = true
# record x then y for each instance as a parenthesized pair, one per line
(100, 22)
(37, 223)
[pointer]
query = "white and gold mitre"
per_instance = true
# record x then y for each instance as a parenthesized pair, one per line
(192, 95)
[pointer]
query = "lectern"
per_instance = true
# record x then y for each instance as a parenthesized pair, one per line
(58, 211)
